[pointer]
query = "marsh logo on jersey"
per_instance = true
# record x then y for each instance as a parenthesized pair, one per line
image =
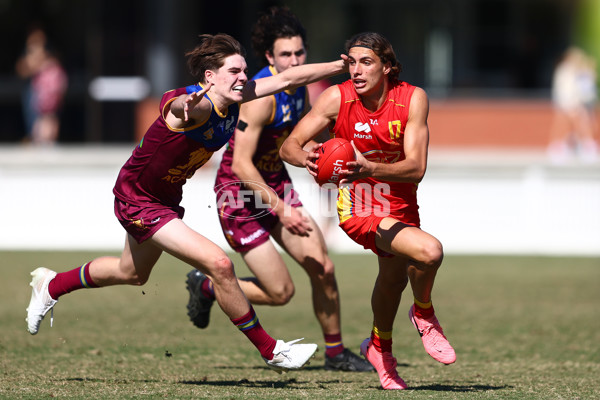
(362, 127)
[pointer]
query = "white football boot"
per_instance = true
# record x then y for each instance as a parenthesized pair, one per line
(40, 302)
(290, 355)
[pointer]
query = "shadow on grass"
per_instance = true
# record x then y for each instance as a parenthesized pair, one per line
(459, 388)
(249, 384)
(292, 384)
(308, 368)
(103, 380)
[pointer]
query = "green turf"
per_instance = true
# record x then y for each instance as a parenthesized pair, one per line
(522, 327)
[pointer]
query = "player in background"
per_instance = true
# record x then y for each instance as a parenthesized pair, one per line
(386, 119)
(194, 122)
(251, 163)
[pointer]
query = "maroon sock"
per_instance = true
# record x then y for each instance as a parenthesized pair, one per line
(333, 345)
(66, 282)
(250, 327)
(207, 289)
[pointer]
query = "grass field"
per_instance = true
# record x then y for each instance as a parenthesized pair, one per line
(522, 327)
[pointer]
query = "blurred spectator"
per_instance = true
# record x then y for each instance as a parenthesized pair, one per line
(47, 84)
(574, 94)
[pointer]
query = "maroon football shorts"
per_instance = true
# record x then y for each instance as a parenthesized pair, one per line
(246, 228)
(142, 222)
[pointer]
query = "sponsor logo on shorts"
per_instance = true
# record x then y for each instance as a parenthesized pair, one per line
(138, 223)
(250, 238)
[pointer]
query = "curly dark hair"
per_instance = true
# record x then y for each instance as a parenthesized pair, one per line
(277, 22)
(380, 46)
(210, 54)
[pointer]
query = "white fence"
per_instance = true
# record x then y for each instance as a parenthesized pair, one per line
(476, 202)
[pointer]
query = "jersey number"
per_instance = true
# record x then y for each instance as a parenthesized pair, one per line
(395, 129)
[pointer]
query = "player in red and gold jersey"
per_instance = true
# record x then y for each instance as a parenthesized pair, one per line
(386, 120)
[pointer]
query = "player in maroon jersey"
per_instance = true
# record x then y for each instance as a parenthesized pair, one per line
(251, 163)
(194, 122)
(386, 120)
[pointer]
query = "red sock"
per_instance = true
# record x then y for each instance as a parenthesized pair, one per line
(381, 344)
(424, 312)
(66, 282)
(333, 345)
(250, 327)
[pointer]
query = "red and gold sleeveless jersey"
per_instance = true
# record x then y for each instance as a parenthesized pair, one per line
(379, 136)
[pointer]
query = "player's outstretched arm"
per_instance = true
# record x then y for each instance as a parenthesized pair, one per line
(187, 108)
(294, 77)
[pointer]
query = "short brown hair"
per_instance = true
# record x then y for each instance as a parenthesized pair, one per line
(210, 54)
(380, 46)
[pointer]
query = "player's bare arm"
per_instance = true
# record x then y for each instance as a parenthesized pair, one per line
(253, 117)
(189, 109)
(292, 78)
(323, 113)
(416, 142)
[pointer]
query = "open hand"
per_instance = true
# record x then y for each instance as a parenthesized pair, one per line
(295, 222)
(193, 99)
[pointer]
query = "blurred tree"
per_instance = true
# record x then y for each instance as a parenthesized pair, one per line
(587, 28)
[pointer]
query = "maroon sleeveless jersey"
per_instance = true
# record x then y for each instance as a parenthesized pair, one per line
(166, 157)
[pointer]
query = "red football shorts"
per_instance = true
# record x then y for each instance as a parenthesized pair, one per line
(363, 230)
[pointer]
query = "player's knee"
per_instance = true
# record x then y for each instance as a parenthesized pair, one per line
(129, 275)
(328, 276)
(328, 267)
(320, 268)
(136, 279)
(432, 254)
(282, 295)
(221, 268)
